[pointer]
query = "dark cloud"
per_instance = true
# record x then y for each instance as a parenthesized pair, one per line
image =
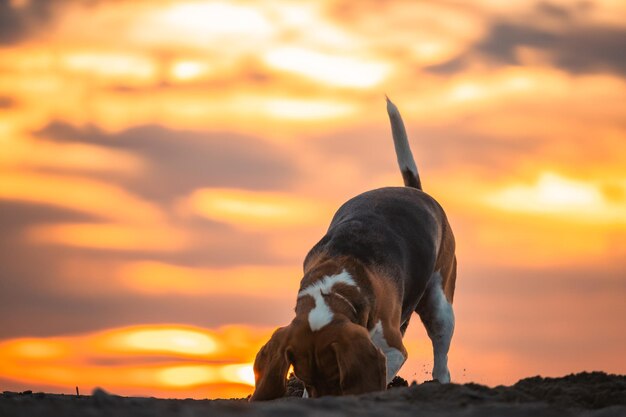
(569, 43)
(558, 12)
(6, 102)
(14, 216)
(577, 50)
(180, 161)
(17, 23)
(453, 66)
(215, 244)
(34, 301)
(36, 314)
(504, 38)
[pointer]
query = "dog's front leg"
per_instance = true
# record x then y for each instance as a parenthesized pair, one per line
(389, 340)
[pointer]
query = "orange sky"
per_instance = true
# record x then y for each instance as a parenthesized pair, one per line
(165, 166)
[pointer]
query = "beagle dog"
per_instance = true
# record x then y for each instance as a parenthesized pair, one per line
(387, 253)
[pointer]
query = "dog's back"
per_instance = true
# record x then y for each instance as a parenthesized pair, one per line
(401, 230)
(397, 229)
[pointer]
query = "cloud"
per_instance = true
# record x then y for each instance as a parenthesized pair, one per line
(36, 299)
(42, 286)
(212, 244)
(19, 21)
(33, 313)
(180, 161)
(452, 66)
(17, 215)
(7, 102)
(567, 37)
(553, 10)
(81, 193)
(142, 121)
(578, 49)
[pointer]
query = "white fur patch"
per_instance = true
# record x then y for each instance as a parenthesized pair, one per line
(440, 328)
(394, 358)
(400, 140)
(321, 315)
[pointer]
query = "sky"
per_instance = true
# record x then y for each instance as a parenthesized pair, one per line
(165, 167)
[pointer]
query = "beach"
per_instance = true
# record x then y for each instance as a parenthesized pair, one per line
(583, 394)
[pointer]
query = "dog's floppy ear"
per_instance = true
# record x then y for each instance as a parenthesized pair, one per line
(270, 368)
(362, 366)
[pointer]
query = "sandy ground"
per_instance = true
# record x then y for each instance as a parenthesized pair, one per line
(587, 394)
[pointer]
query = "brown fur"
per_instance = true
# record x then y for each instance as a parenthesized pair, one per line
(331, 361)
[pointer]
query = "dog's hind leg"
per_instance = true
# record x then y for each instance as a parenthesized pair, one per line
(438, 317)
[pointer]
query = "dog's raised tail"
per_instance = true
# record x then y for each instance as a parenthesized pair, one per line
(403, 150)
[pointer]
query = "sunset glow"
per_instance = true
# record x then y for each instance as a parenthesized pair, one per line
(330, 70)
(165, 167)
(562, 197)
(159, 278)
(168, 340)
(171, 358)
(254, 209)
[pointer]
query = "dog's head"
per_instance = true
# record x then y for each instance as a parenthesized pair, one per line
(338, 359)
